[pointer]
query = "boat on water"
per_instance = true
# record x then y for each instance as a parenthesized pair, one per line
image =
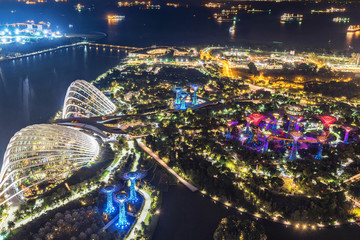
(341, 20)
(291, 17)
(353, 28)
(115, 18)
(79, 7)
(258, 11)
(232, 29)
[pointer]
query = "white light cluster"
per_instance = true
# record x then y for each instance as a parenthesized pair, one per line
(41, 153)
(84, 100)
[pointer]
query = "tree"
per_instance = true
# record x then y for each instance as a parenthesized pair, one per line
(11, 224)
(253, 68)
(233, 228)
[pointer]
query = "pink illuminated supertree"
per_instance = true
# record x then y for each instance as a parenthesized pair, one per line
(347, 130)
(327, 121)
(256, 117)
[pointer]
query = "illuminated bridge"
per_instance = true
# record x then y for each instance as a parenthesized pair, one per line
(43, 154)
(84, 100)
(116, 47)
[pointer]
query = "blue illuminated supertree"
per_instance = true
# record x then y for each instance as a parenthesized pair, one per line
(195, 87)
(183, 96)
(228, 134)
(293, 153)
(133, 176)
(122, 221)
(321, 140)
(177, 91)
(109, 199)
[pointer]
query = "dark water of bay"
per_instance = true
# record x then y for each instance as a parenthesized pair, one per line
(190, 216)
(194, 25)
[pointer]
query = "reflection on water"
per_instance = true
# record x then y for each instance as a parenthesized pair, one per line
(25, 93)
(351, 37)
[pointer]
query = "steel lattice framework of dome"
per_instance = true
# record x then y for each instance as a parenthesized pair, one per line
(84, 100)
(44, 154)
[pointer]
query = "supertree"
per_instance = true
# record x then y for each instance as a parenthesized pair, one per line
(347, 130)
(122, 221)
(256, 118)
(276, 117)
(321, 139)
(177, 91)
(109, 190)
(248, 122)
(327, 121)
(183, 96)
(133, 176)
(293, 153)
(195, 87)
(228, 133)
(297, 121)
(267, 134)
(267, 121)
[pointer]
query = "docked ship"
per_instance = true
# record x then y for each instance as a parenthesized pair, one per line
(258, 11)
(79, 7)
(232, 29)
(290, 17)
(333, 10)
(341, 20)
(115, 18)
(329, 10)
(353, 28)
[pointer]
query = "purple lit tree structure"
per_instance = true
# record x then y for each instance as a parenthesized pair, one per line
(347, 130)
(293, 153)
(183, 96)
(133, 176)
(195, 87)
(122, 221)
(276, 117)
(248, 122)
(177, 91)
(244, 137)
(327, 121)
(267, 134)
(109, 190)
(321, 139)
(297, 121)
(267, 121)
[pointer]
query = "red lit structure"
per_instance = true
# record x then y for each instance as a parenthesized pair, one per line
(327, 120)
(256, 117)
